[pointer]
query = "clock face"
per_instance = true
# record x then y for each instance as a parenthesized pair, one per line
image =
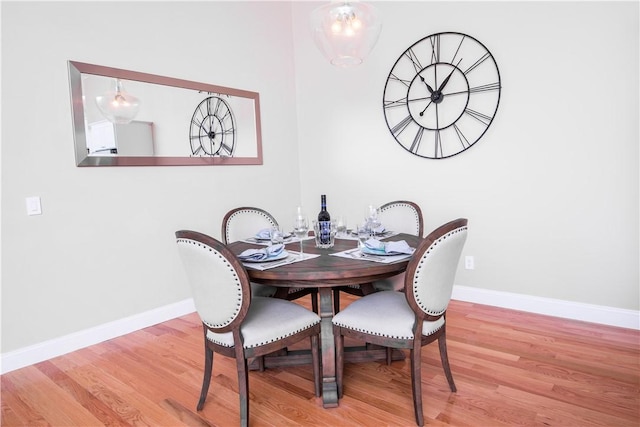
(213, 129)
(441, 95)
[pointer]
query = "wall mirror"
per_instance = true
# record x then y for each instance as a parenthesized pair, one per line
(176, 123)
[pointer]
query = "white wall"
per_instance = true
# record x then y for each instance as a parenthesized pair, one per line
(551, 191)
(104, 247)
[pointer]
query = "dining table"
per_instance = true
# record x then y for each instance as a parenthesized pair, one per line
(331, 269)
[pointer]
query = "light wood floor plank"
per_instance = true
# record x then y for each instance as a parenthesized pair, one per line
(511, 368)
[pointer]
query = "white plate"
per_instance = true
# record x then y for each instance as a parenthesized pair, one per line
(281, 255)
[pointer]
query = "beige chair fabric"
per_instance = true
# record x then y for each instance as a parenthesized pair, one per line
(241, 223)
(244, 222)
(405, 217)
(235, 324)
(415, 317)
(402, 216)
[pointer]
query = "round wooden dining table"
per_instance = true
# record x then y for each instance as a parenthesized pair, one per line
(325, 273)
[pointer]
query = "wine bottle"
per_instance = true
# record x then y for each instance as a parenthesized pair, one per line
(324, 222)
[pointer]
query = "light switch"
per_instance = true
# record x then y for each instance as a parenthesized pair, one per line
(33, 206)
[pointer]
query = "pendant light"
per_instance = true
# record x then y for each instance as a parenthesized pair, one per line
(345, 32)
(118, 106)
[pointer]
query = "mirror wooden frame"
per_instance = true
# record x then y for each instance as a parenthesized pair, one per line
(76, 69)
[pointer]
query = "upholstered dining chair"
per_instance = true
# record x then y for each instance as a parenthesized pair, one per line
(243, 222)
(405, 217)
(415, 317)
(402, 216)
(235, 324)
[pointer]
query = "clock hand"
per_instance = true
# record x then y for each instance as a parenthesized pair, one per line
(422, 98)
(425, 108)
(428, 87)
(444, 83)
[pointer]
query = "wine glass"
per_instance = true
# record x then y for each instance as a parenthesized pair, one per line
(277, 236)
(372, 220)
(341, 226)
(374, 223)
(300, 229)
(363, 234)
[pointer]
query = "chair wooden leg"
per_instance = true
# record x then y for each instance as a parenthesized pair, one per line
(315, 357)
(416, 383)
(442, 344)
(314, 301)
(339, 340)
(243, 390)
(206, 379)
(389, 354)
(336, 301)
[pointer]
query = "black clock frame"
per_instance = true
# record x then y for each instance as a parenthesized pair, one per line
(417, 107)
(213, 128)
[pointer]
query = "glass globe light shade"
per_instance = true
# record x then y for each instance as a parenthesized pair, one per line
(345, 32)
(118, 106)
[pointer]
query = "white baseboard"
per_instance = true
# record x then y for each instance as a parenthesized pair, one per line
(56, 347)
(566, 309)
(551, 307)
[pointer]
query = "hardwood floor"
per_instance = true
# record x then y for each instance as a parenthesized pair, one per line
(511, 368)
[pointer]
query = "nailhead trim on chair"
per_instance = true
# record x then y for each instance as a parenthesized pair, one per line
(425, 332)
(402, 321)
(419, 268)
(417, 218)
(265, 334)
(225, 344)
(240, 212)
(235, 275)
(244, 211)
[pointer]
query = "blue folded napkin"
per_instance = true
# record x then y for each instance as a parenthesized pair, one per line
(265, 233)
(399, 247)
(261, 254)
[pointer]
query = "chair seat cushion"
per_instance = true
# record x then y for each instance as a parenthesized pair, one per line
(384, 313)
(268, 320)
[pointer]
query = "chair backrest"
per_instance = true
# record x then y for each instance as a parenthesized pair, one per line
(240, 223)
(219, 283)
(432, 269)
(402, 216)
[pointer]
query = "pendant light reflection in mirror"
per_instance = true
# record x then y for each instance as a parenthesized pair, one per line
(118, 106)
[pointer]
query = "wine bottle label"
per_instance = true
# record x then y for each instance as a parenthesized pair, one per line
(325, 232)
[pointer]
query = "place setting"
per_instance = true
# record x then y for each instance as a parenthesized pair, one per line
(271, 256)
(378, 251)
(267, 236)
(275, 254)
(372, 223)
(370, 248)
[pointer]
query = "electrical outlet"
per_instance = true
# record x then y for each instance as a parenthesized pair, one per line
(469, 263)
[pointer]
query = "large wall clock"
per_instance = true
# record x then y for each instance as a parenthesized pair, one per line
(213, 129)
(442, 95)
